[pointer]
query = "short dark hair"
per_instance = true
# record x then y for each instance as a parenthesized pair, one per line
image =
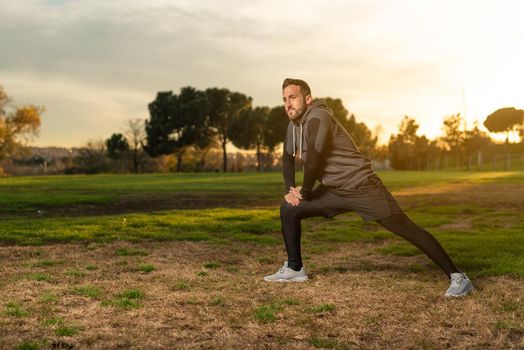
(304, 87)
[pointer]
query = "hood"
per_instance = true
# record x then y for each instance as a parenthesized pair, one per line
(316, 104)
(298, 126)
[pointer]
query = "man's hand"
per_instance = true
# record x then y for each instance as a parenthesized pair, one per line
(293, 197)
(296, 191)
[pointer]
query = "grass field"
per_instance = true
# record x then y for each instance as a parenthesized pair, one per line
(176, 261)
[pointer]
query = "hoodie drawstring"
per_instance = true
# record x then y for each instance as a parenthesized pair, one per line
(299, 143)
(294, 142)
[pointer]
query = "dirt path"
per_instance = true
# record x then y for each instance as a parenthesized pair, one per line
(204, 296)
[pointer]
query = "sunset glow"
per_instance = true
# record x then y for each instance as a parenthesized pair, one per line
(95, 64)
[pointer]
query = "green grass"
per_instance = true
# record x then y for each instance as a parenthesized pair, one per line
(146, 268)
(14, 309)
(48, 298)
(267, 313)
(28, 345)
(182, 285)
(129, 299)
(322, 343)
(55, 321)
(89, 291)
(186, 225)
(66, 331)
(132, 294)
(211, 265)
(130, 252)
(399, 250)
(216, 302)
(249, 213)
(75, 273)
(26, 195)
(48, 263)
(40, 277)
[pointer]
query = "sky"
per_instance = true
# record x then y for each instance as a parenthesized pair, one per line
(96, 64)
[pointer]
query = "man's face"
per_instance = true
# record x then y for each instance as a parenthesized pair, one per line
(294, 102)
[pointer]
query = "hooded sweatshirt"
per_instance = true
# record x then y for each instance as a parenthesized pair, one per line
(330, 155)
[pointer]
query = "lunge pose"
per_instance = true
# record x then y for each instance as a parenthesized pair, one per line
(347, 183)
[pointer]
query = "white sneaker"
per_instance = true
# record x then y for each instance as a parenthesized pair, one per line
(460, 285)
(286, 274)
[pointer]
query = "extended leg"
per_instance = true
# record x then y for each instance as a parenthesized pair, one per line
(401, 225)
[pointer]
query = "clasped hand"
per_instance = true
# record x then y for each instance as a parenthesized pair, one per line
(294, 197)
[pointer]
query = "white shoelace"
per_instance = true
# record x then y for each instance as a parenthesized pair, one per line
(456, 279)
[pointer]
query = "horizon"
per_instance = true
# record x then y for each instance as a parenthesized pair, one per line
(94, 65)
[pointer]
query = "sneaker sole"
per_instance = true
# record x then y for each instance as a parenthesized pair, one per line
(461, 294)
(296, 279)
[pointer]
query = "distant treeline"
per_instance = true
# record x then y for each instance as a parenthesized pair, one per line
(191, 130)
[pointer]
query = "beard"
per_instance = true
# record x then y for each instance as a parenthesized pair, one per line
(299, 113)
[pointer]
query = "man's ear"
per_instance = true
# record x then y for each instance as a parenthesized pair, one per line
(309, 99)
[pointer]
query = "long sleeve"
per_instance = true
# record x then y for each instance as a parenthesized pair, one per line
(288, 168)
(318, 133)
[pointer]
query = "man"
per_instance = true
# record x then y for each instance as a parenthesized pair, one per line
(347, 183)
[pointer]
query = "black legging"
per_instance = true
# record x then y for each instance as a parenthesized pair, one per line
(399, 224)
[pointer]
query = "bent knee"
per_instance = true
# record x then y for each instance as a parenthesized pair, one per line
(285, 207)
(289, 211)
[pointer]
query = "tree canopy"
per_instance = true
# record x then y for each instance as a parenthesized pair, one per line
(359, 131)
(177, 121)
(408, 150)
(507, 119)
(18, 124)
(224, 107)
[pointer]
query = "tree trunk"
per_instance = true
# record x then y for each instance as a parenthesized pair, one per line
(179, 161)
(224, 153)
(202, 163)
(270, 159)
(479, 160)
(135, 160)
(258, 157)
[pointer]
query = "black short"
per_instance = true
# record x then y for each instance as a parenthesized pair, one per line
(371, 200)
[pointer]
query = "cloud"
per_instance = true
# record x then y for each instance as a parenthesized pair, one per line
(383, 58)
(76, 113)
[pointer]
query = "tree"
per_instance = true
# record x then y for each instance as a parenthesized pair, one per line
(459, 141)
(160, 125)
(359, 131)
(453, 137)
(275, 131)
(247, 131)
(224, 107)
(92, 157)
(135, 134)
(117, 146)
(17, 125)
(362, 136)
(474, 141)
(177, 121)
(408, 150)
(505, 120)
(118, 149)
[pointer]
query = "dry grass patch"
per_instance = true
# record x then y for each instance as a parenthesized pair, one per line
(356, 298)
